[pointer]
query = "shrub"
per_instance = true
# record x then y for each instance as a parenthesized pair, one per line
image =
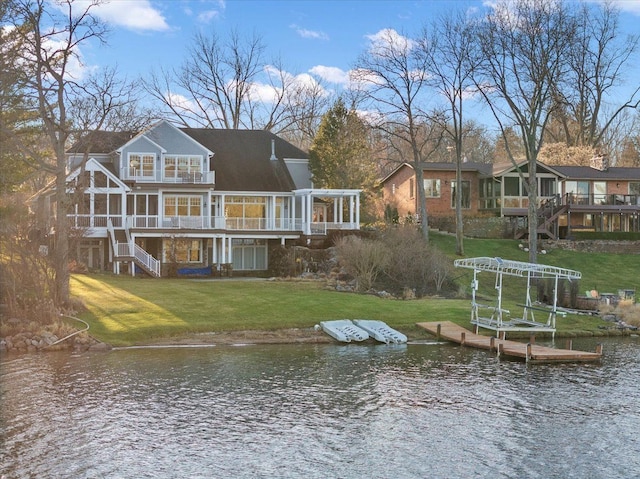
(409, 258)
(364, 259)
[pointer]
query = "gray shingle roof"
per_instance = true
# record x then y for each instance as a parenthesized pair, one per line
(101, 141)
(242, 159)
(588, 173)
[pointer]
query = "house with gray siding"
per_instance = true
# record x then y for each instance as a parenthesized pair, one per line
(201, 201)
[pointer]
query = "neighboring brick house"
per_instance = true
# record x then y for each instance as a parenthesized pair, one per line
(399, 188)
(596, 197)
(199, 200)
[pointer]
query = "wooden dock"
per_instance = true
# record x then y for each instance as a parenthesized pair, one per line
(529, 352)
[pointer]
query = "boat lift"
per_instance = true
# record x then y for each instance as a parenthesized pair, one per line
(500, 319)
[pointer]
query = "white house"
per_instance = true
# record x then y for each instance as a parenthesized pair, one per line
(201, 200)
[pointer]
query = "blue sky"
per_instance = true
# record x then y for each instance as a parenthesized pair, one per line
(311, 37)
(304, 34)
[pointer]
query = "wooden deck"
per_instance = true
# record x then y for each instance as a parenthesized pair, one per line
(528, 352)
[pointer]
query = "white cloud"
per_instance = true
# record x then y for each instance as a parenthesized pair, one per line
(389, 40)
(137, 15)
(208, 15)
(304, 33)
(180, 102)
(331, 74)
(631, 6)
(270, 92)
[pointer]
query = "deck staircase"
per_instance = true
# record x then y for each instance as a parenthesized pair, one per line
(127, 250)
(548, 213)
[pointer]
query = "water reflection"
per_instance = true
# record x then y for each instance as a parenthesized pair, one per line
(318, 411)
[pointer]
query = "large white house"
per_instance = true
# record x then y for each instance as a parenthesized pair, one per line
(199, 200)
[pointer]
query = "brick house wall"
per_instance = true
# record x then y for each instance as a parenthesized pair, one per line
(399, 192)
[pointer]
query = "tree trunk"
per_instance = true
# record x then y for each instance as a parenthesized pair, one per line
(533, 213)
(459, 222)
(422, 203)
(61, 257)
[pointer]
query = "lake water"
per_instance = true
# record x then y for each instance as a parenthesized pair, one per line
(319, 411)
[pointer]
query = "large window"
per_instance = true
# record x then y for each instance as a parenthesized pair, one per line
(489, 193)
(466, 194)
(183, 167)
(141, 164)
(547, 186)
(175, 205)
(599, 192)
(634, 188)
(249, 254)
(432, 188)
(512, 186)
(181, 250)
(246, 212)
(578, 192)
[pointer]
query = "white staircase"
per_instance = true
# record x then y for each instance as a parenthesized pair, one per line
(129, 251)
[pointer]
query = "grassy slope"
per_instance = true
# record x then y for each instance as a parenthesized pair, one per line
(124, 310)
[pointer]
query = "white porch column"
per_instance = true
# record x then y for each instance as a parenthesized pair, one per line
(341, 210)
(229, 251)
(357, 211)
(292, 213)
(309, 214)
(123, 210)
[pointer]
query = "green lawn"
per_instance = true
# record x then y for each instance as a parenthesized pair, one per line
(604, 272)
(125, 311)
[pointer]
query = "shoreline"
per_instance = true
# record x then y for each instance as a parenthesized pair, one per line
(85, 342)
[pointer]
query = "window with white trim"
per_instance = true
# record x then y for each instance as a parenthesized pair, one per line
(182, 205)
(181, 250)
(466, 194)
(432, 188)
(182, 166)
(249, 254)
(141, 164)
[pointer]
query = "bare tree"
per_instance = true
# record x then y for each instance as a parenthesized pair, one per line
(449, 47)
(597, 60)
(524, 46)
(56, 94)
(213, 85)
(394, 81)
(227, 83)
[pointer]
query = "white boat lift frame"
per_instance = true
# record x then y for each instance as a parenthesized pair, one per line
(501, 267)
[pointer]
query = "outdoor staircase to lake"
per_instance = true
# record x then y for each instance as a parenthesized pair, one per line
(129, 251)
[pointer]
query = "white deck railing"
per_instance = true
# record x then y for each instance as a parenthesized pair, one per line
(155, 222)
(197, 178)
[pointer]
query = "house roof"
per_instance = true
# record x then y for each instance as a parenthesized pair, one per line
(242, 161)
(588, 173)
(482, 168)
(101, 141)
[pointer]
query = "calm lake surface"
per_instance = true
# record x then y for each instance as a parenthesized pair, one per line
(319, 411)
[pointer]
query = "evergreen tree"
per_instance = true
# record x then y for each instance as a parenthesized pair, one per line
(341, 155)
